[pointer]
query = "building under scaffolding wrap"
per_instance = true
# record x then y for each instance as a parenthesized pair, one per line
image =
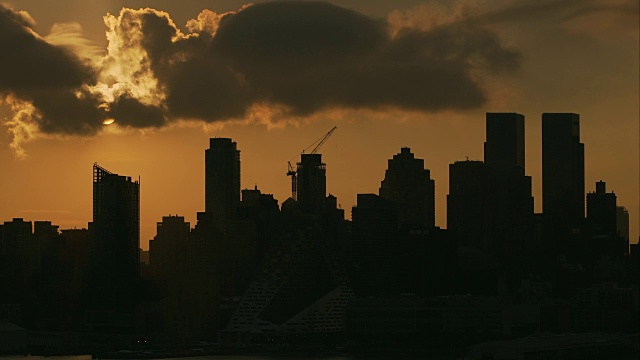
(115, 240)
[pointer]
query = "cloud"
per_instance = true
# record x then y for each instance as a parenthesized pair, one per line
(297, 57)
(554, 10)
(42, 84)
(311, 56)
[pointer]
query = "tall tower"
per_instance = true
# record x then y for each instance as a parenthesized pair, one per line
(466, 202)
(222, 181)
(602, 227)
(622, 220)
(504, 148)
(562, 170)
(409, 187)
(312, 183)
(115, 242)
(602, 211)
(509, 204)
(116, 222)
(374, 246)
(167, 250)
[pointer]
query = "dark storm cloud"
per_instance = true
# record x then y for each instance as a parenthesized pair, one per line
(310, 56)
(35, 71)
(299, 56)
(130, 112)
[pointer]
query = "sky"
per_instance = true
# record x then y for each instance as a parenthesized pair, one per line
(140, 86)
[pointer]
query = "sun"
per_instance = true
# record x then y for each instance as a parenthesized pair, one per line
(108, 121)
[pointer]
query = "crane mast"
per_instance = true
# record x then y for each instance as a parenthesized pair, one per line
(294, 181)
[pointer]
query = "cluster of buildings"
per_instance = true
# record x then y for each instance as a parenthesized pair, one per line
(252, 268)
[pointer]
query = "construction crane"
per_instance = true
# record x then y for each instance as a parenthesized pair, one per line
(294, 174)
(294, 181)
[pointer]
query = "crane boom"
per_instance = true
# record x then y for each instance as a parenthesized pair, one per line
(320, 141)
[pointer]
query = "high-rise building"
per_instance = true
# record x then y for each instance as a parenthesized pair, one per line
(222, 181)
(466, 203)
(374, 246)
(263, 211)
(562, 171)
(409, 187)
(504, 148)
(15, 236)
(602, 211)
(114, 249)
(168, 249)
(311, 183)
(622, 219)
(509, 204)
(44, 235)
(602, 227)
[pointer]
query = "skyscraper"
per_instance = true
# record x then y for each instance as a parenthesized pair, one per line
(602, 227)
(602, 211)
(168, 249)
(509, 204)
(374, 246)
(115, 242)
(312, 183)
(15, 236)
(222, 181)
(622, 219)
(466, 202)
(562, 170)
(409, 187)
(504, 148)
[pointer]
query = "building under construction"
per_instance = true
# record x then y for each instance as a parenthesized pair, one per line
(309, 180)
(114, 251)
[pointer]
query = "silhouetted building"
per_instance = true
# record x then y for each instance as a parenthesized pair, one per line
(409, 187)
(622, 225)
(115, 242)
(466, 203)
(168, 249)
(509, 204)
(15, 236)
(168, 263)
(374, 246)
(77, 247)
(222, 181)
(300, 286)
(504, 148)
(264, 212)
(562, 171)
(311, 183)
(602, 211)
(602, 224)
(205, 254)
(44, 234)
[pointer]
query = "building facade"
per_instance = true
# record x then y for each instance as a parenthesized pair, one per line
(114, 251)
(222, 181)
(409, 187)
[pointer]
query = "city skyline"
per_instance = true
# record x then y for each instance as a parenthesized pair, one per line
(249, 270)
(225, 147)
(574, 61)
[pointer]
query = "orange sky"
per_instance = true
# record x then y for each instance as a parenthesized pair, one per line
(586, 64)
